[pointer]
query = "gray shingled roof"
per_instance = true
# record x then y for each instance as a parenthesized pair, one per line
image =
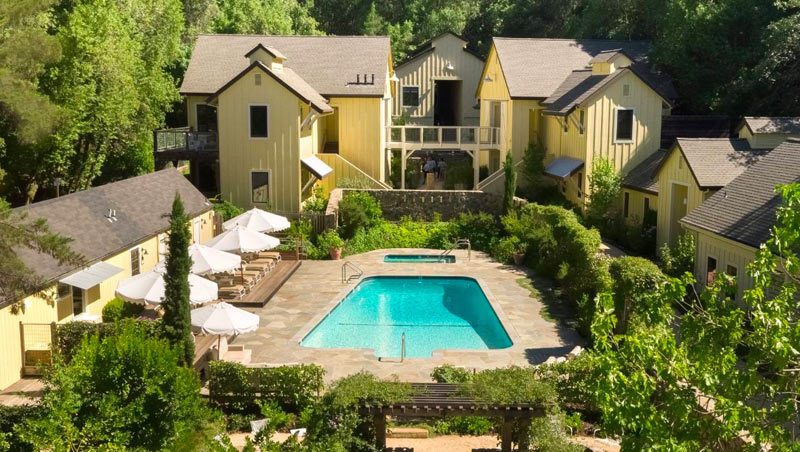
(773, 124)
(745, 209)
(328, 63)
(534, 67)
(577, 87)
(715, 162)
(141, 204)
(644, 176)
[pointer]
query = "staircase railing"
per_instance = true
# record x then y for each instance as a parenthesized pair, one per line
(357, 272)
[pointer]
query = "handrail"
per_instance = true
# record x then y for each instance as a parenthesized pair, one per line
(184, 139)
(490, 179)
(443, 136)
(358, 272)
(457, 243)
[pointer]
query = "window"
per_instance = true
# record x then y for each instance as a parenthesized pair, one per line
(711, 270)
(566, 124)
(626, 89)
(731, 270)
(258, 79)
(206, 118)
(646, 206)
(259, 184)
(77, 300)
(64, 290)
(626, 204)
(580, 185)
(624, 129)
(581, 121)
(259, 117)
(411, 96)
(136, 267)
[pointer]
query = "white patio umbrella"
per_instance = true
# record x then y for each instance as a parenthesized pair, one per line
(258, 220)
(239, 239)
(211, 260)
(149, 288)
(223, 319)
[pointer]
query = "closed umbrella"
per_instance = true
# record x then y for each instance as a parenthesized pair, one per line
(243, 240)
(258, 220)
(224, 319)
(206, 259)
(149, 288)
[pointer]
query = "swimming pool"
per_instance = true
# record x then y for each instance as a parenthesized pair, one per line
(420, 258)
(434, 312)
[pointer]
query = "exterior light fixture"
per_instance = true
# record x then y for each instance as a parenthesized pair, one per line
(487, 79)
(449, 67)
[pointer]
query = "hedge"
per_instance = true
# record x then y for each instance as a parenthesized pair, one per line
(70, 335)
(234, 387)
(11, 416)
(635, 279)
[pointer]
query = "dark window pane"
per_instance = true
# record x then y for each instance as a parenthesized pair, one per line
(624, 125)
(206, 118)
(259, 181)
(258, 121)
(135, 263)
(77, 300)
(626, 206)
(410, 96)
(711, 270)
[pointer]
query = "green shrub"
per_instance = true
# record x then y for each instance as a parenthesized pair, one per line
(118, 309)
(126, 390)
(405, 234)
(574, 381)
(447, 373)
(11, 417)
(358, 210)
(505, 249)
(678, 260)
(510, 385)
(635, 280)
(226, 209)
(464, 425)
(459, 175)
(236, 388)
(70, 335)
(605, 184)
(482, 230)
(318, 202)
(355, 183)
(329, 240)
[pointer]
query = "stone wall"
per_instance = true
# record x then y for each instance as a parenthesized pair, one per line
(423, 204)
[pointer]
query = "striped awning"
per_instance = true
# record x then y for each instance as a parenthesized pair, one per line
(563, 167)
(92, 276)
(316, 166)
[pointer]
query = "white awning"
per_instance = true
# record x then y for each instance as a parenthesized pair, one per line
(316, 166)
(92, 276)
(563, 167)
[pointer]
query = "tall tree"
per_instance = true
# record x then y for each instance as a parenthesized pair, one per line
(271, 17)
(177, 312)
(510, 188)
(18, 232)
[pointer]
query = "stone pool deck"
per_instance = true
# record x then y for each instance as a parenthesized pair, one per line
(317, 286)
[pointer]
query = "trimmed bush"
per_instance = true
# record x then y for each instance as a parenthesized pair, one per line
(405, 234)
(482, 230)
(69, 335)
(447, 373)
(329, 240)
(237, 388)
(12, 416)
(678, 260)
(118, 309)
(635, 279)
(358, 210)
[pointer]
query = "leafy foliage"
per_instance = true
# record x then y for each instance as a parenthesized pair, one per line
(635, 281)
(358, 210)
(177, 316)
(226, 209)
(318, 202)
(10, 417)
(70, 335)
(604, 189)
(678, 260)
(510, 181)
(117, 309)
(329, 240)
(125, 389)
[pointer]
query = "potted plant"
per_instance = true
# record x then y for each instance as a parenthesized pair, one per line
(519, 252)
(331, 241)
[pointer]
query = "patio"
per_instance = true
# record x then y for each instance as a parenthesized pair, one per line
(316, 287)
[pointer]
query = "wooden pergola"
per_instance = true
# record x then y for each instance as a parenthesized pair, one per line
(446, 400)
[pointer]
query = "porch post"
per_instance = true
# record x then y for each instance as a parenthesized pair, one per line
(476, 167)
(505, 435)
(403, 167)
(380, 431)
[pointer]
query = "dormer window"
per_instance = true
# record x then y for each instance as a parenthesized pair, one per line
(623, 127)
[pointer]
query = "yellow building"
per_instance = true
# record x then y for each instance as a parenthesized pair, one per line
(767, 132)
(731, 224)
(580, 100)
(436, 85)
(285, 111)
(120, 230)
(693, 170)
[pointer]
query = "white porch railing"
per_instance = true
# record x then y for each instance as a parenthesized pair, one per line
(443, 137)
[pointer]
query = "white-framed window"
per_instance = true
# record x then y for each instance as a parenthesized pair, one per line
(410, 96)
(259, 120)
(259, 186)
(623, 125)
(136, 261)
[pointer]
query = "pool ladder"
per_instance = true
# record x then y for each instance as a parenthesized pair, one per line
(458, 244)
(357, 272)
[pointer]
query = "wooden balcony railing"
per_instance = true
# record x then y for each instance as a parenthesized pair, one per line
(443, 137)
(184, 140)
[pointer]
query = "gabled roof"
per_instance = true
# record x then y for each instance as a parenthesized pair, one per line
(428, 46)
(141, 204)
(290, 80)
(715, 162)
(534, 68)
(609, 56)
(328, 63)
(744, 211)
(771, 124)
(270, 50)
(644, 176)
(693, 126)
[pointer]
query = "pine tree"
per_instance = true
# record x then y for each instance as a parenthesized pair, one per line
(177, 313)
(511, 183)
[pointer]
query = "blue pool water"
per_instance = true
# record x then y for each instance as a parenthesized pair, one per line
(435, 313)
(420, 258)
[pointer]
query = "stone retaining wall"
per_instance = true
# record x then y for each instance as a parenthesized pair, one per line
(423, 204)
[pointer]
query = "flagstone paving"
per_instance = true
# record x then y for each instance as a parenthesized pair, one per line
(316, 287)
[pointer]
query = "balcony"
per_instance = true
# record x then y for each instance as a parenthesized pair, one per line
(473, 138)
(185, 144)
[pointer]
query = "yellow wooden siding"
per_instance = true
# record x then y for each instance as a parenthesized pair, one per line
(636, 204)
(279, 154)
(675, 170)
(601, 118)
(726, 252)
(432, 65)
(496, 89)
(519, 134)
(362, 132)
(343, 169)
(191, 109)
(47, 308)
(764, 140)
